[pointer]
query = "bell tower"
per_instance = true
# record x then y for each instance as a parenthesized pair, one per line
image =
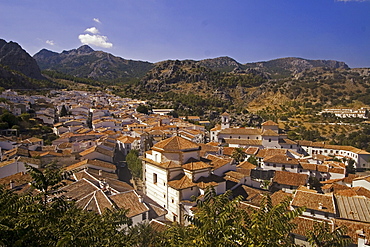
(225, 120)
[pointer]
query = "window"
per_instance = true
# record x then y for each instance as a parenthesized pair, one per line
(274, 165)
(269, 139)
(292, 166)
(312, 212)
(155, 178)
(172, 200)
(326, 215)
(164, 195)
(143, 216)
(174, 218)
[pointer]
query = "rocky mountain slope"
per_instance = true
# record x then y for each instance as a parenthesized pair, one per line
(14, 57)
(87, 63)
(18, 70)
(223, 83)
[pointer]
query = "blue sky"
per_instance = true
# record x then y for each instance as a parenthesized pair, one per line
(155, 30)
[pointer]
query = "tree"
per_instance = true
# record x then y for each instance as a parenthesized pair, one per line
(350, 169)
(25, 220)
(142, 109)
(9, 118)
(253, 160)
(134, 163)
(238, 154)
(221, 221)
(322, 236)
(63, 111)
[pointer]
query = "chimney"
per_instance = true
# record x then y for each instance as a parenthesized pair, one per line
(320, 205)
(141, 199)
(11, 184)
(100, 172)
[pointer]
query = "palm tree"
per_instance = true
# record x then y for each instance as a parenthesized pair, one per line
(238, 154)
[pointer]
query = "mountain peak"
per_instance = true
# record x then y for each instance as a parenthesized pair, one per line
(85, 49)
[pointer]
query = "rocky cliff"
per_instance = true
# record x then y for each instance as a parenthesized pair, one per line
(13, 57)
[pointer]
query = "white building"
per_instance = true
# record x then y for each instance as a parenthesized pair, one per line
(174, 172)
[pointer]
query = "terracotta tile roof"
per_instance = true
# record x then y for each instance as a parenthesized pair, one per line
(181, 182)
(269, 133)
(305, 188)
(234, 176)
(308, 166)
(19, 151)
(245, 172)
(33, 140)
(19, 180)
(349, 178)
(252, 195)
(252, 150)
(126, 139)
(246, 165)
(63, 145)
(175, 144)
(290, 178)
(96, 201)
(314, 201)
(88, 162)
(225, 114)
(7, 162)
(204, 185)
(281, 159)
(159, 226)
(305, 224)
(129, 200)
(322, 168)
(165, 165)
(269, 123)
(354, 191)
(216, 144)
(262, 153)
(228, 151)
(216, 128)
(97, 149)
(353, 227)
(279, 196)
(79, 189)
(245, 142)
(206, 148)
(218, 162)
(196, 165)
(353, 207)
(30, 160)
(334, 187)
(155, 210)
(287, 141)
(366, 178)
(241, 131)
(337, 170)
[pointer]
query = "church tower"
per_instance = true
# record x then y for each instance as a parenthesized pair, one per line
(225, 120)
